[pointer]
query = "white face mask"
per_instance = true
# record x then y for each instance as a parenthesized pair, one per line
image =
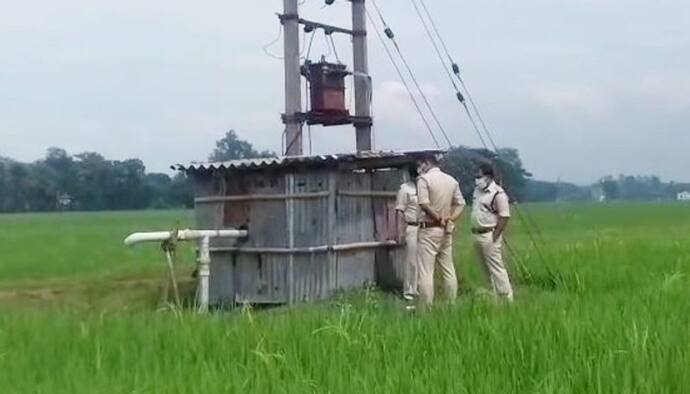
(481, 183)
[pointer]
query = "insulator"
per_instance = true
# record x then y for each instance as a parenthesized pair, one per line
(461, 98)
(456, 68)
(389, 33)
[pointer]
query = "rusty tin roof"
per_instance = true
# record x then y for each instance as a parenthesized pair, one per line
(364, 159)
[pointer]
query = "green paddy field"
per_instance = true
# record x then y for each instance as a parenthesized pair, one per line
(606, 310)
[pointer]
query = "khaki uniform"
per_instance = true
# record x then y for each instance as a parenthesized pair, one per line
(441, 193)
(407, 204)
(488, 206)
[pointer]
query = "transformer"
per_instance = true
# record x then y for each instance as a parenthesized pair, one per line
(327, 93)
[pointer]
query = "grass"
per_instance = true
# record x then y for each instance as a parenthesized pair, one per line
(38, 247)
(608, 311)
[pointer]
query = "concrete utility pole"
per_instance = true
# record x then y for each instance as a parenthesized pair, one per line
(361, 76)
(293, 93)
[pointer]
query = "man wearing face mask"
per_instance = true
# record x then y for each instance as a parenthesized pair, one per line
(490, 216)
(441, 204)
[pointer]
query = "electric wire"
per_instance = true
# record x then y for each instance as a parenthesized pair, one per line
(413, 77)
(403, 80)
(328, 45)
(335, 50)
(458, 93)
(435, 45)
(526, 219)
(270, 44)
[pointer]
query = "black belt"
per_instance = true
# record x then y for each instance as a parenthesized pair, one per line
(429, 225)
(413, 223)
(479, 231)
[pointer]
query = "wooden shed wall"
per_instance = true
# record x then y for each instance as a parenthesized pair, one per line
(329, 207)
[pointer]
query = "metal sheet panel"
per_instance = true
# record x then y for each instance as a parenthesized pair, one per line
(390, 262)
(311, 215)
(260, 278)
(355, 219)
(355, 268)
(381, 158)
(311, 277)
(221, 289)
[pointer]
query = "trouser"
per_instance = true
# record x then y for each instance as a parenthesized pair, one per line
(491, 256)
(435, 247)
(410, 271)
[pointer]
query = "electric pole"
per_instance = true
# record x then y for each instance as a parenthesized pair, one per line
(293, 94)
(362, 81)
(294, 118)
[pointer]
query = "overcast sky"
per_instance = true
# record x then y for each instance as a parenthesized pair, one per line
(582, 88)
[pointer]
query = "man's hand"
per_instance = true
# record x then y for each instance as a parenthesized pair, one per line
(430, 213)
(500, 227)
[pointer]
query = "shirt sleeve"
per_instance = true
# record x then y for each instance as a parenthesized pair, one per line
(458, 199)
(401, 200)
(502, 205)
(423, 191)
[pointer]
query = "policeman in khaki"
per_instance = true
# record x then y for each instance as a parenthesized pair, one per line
(408, 214)
(490, 215)
(441, 204)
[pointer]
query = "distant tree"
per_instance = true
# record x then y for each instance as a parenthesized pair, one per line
(158, 190)
(540, 191)
(610, 188)
(94, 176)
(3, 183)
(181, 191)
(572, 192)
(231, 147)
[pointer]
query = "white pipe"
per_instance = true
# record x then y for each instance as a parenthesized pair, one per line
(203, 237)
(204, 273)
(183, 235)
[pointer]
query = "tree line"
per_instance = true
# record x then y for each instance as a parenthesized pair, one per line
(88, 181)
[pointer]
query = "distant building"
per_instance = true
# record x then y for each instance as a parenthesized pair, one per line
(63, 201)
(683, 196)
(598, 194)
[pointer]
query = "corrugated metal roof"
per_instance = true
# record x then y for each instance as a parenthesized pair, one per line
(284, 161)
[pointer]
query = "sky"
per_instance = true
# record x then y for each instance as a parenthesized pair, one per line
(583, 88)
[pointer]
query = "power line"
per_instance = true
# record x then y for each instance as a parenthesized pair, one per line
(433, 25)
(391, 36)
(454, 67)
(402, 79)
(526, 219)
(433, 41)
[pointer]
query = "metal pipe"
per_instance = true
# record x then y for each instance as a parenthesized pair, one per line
(204, 238)
(308, 250)
(363, 245)
(183, 235)
(260, 197)
(204, 273)
(376, 194)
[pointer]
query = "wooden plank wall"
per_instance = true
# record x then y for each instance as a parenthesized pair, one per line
(331, 218)
(390, 262)
(311, 272)
(354, 223)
